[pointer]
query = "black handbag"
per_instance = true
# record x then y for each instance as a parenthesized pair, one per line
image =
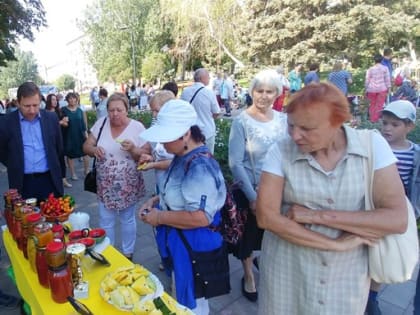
(90, 179)
(210, 270)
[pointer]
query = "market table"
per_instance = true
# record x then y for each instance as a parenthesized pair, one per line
(39, 298)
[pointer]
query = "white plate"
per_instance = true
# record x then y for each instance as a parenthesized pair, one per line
(158, 292)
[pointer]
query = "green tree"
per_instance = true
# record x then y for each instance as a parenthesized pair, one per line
(155, 66)
(286, 32)
(65, 82)
(116, 28)
(23, 69)
(204, 31)
(17, 18)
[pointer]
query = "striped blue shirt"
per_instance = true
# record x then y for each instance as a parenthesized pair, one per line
(405, 164)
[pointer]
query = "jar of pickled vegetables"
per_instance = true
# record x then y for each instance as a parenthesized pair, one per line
(29, 249)
(22, 238)
(43, 234)
(56, 254)
(15, 224)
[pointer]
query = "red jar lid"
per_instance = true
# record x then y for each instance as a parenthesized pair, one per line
(57, 228)
(35, 217)
(54, 247)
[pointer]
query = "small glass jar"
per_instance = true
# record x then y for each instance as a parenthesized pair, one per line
(75, 253)
(56, 254)
(31, 202)
(58, 232)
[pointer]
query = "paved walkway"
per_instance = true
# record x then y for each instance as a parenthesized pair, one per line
(394, 300)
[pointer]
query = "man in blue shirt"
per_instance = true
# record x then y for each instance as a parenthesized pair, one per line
(312, 75)
(31, 147)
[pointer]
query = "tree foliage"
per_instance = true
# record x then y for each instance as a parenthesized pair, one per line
(115, 28)
(18, 18)
(23, 69)
(155, 66)
(222, 34)
(65, 82)
(291, 31)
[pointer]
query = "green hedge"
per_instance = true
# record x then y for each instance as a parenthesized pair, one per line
(145, 117)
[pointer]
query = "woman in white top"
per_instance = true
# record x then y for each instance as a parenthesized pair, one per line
(120, 184)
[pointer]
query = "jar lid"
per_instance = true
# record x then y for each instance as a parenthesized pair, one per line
(55, 246)
(76, 248)
(31, 201)
(34, 217)
(57, 228)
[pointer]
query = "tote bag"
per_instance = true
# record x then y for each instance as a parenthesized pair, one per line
(394, 257)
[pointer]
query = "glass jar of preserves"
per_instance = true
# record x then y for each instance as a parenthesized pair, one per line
(58, 232)
(22, 240)
(60, 283)
(10, 196)
(33, 219)
(56, 254)
(15, 224)
(42, 266)
(43, 234)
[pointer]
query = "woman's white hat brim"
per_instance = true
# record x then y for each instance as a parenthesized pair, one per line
(163, 134)
(174, 119)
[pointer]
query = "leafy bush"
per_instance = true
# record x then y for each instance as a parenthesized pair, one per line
(145, 117)
(221, 146)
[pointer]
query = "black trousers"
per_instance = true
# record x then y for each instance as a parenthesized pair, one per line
(38, 185)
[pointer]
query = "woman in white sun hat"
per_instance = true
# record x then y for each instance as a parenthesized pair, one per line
(192, 191)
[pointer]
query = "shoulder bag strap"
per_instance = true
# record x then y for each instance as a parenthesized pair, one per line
(195, 94)
(366, 138)
(97, 140)
(185, 241)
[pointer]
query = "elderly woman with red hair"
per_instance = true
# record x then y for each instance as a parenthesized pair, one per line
(314, 258)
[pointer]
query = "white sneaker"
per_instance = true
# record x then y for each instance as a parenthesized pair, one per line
(66, 183)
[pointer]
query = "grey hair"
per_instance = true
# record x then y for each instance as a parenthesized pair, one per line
(266, 77)
(198, 74)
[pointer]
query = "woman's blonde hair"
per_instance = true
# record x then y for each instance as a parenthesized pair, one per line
(117, 96)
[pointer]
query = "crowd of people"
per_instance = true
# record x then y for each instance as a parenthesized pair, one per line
(299, 168)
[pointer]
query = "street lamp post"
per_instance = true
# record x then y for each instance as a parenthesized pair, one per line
(133, 58)
(133, 52)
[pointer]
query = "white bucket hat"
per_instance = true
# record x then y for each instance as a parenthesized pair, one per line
(402, 109)
(173, 120)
